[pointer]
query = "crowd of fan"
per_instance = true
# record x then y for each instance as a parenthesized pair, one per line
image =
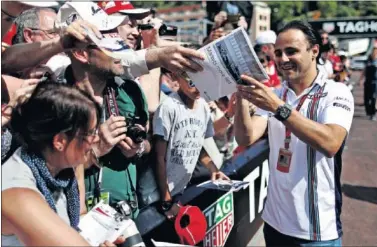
(139, 119)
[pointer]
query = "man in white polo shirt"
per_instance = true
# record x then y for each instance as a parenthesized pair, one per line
(308, 120)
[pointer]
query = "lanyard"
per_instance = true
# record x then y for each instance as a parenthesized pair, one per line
(316, 96)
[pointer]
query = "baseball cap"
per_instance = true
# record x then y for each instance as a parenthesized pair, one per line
(113, 46)
(190, 225)
(41, 4)
(123, 7)
(266, 37)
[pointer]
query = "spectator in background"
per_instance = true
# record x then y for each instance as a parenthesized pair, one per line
(324, 37)
(344, 73)
(325, 64)
(180, 125)
(265, 42)
(334, 59)
(11, 9)
(63, 123)
(35, 25)
(264, 60)
(369, 76)
(128, 30)
(168, 84)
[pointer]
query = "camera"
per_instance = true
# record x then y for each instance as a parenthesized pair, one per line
(134, 132)
(165, 30)
(233, 18)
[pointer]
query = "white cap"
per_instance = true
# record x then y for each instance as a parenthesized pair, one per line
(89, 12)
(266, 37)
(92, 13)
(41, 4)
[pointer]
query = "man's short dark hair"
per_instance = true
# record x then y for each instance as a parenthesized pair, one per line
(312, 36)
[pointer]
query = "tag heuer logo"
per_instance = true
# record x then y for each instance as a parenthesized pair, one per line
(220, 221)
(328, 27)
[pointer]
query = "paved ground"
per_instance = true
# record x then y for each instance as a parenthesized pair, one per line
(359, 179)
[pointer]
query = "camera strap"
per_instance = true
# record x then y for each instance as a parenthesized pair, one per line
(111, 104)
(113, 110)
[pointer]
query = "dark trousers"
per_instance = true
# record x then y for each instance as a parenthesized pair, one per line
(369, 99)
(275, 238)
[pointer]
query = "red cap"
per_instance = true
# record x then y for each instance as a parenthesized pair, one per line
(190, 225)
(10, 34)
(124, 7)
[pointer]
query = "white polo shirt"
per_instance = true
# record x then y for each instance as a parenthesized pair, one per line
(306, 202)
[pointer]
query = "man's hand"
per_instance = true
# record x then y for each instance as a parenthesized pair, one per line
(76, 35)
(128, 147)
(119, 240)
(172, 213)
(111, 133)
(179, 59)
(242, 22)
(220, 18)
(219, 176)
(23, 93)
(215, 34)
(259, 94)
(41, 71)
(151, 38)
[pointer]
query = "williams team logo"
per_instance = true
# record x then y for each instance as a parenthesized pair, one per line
(328, 27)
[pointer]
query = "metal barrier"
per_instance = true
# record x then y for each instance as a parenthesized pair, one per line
(252, 166)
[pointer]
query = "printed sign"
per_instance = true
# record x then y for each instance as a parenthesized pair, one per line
(360, 26)
(220, 220)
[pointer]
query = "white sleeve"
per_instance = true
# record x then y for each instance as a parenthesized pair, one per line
(163, 121)
(339, 107)
(136, 63)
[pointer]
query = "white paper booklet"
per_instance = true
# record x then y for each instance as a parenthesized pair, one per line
(102, 223)
(165, 244)
(226, 59)
(225, 185)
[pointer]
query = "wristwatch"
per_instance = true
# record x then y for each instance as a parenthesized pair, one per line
(166, 205)
(283, 112)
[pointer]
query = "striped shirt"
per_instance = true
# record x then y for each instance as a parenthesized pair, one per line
(306, 202)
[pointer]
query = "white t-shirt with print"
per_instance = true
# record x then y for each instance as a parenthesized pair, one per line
(306, 202)
(185, 130)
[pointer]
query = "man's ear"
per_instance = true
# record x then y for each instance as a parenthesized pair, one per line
(81, 55)
(59, 142)
(28, 34)
(315, 50)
